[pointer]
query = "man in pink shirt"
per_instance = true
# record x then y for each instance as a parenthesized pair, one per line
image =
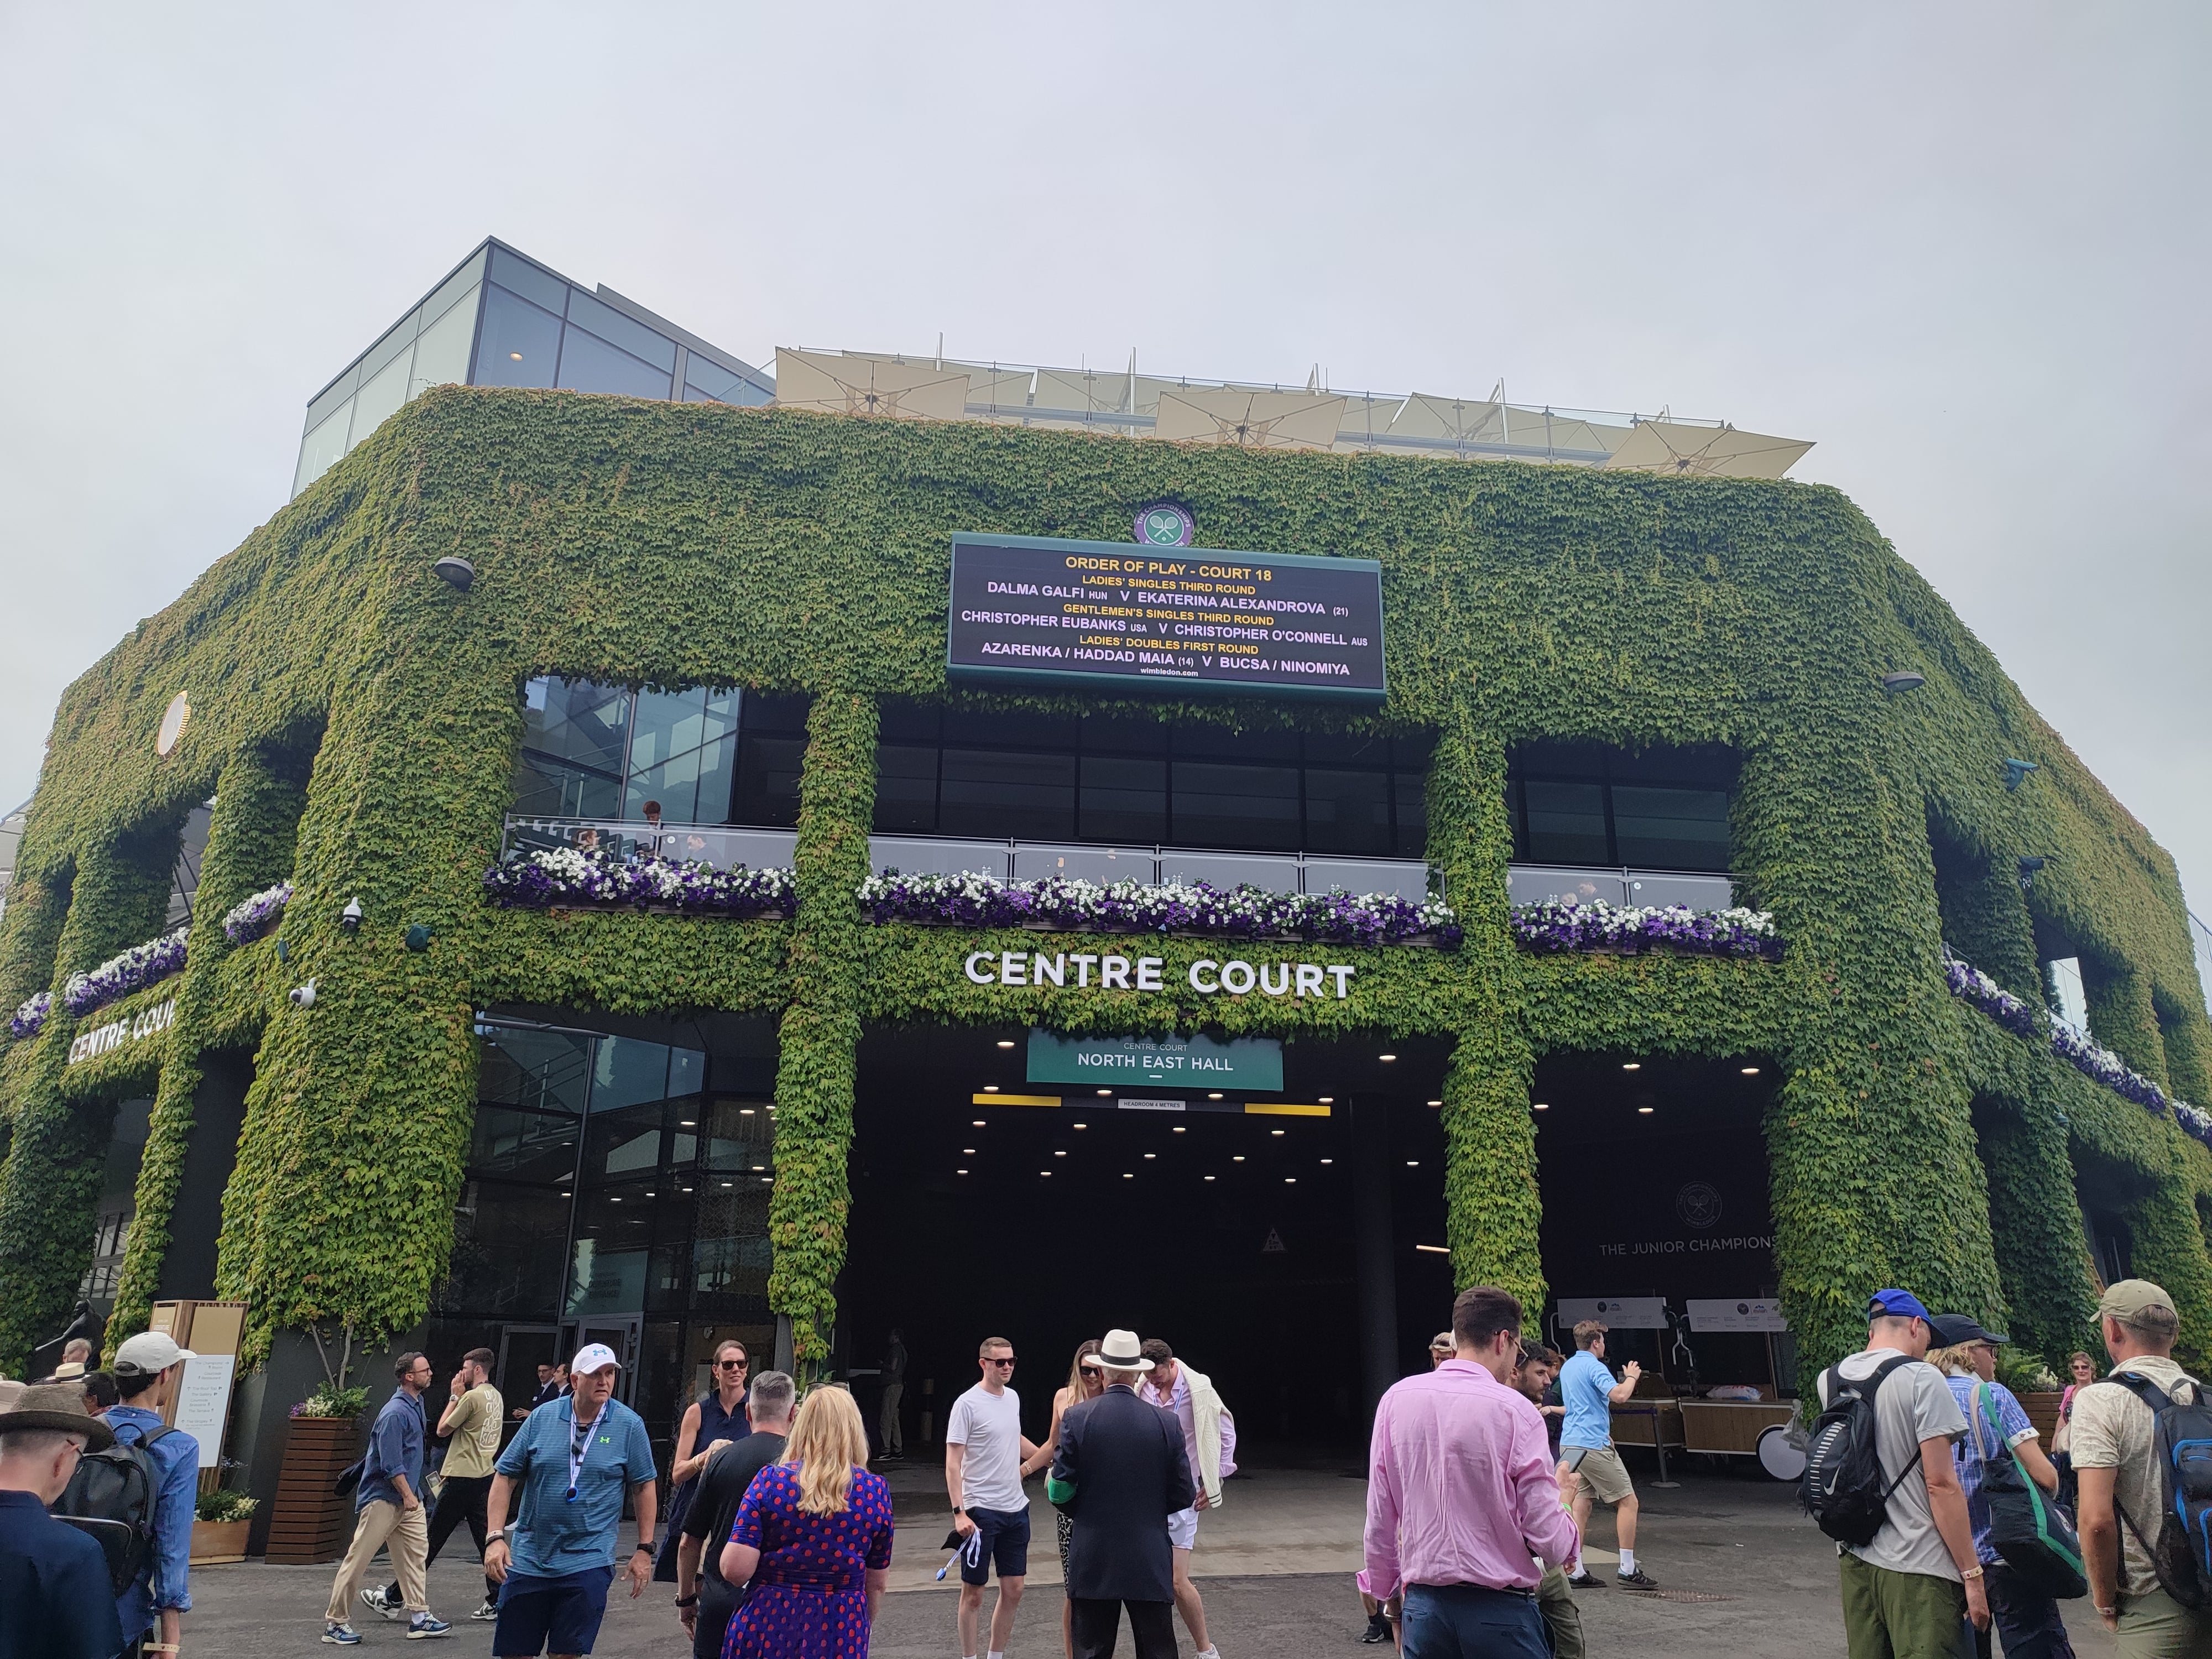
(1461, 1499)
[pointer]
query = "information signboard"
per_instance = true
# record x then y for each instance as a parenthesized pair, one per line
(1188, 619)
(1198, 1061)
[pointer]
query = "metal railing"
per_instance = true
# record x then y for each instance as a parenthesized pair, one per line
(721, 846)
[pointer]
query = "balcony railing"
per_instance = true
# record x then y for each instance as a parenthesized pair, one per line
(1533, 884)
(724, 847)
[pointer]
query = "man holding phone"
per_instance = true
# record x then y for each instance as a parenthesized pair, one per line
(1586, 1451)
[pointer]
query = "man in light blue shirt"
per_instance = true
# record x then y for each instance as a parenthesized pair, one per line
(147, 1368)
(572, 1463)
(1586, 1450)
(388, 1512)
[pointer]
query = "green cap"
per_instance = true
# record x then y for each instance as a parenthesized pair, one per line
(2130, 1299)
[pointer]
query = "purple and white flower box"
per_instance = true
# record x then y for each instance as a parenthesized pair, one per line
(975, 900)
(562, 877)
(30, 1016)
(249, 919)
(1972, 984)
(1557, 924)
(120, 975)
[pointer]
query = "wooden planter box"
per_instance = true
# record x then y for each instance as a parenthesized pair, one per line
(217, 1541)
(309, 1523)
(2042, 1410)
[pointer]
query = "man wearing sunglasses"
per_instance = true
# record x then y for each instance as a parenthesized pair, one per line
(984, 1451)
(572, 1463)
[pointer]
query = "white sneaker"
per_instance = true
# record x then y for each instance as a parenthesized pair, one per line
(488, 1611)
(374, 1601)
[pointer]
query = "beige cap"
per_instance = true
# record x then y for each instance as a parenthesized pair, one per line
(2130, 1299)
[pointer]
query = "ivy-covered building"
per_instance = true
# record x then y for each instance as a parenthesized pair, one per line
(614, 917)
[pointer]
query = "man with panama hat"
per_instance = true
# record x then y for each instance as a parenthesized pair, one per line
(56, 1602)
(1120, 1472)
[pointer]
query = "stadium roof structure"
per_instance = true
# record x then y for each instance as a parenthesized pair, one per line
(1126, 403)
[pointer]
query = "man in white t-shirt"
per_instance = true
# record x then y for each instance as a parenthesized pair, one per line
(984, 1451)
(1906, 1592)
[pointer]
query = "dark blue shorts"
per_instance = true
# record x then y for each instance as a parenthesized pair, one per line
(551, 1615)
(1002, 1538)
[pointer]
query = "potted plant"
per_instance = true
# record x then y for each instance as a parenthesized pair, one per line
(310, 1522)
(221, 1520)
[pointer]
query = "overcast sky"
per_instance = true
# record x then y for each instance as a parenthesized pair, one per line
(1966, 252)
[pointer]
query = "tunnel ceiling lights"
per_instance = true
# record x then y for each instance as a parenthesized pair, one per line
(1751, 1071)
(1004, 1044)
(1632, 1064)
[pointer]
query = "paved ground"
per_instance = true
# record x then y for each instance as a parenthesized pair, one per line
(1744, 1574)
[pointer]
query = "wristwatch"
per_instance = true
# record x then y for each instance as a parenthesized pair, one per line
(692, 1600)
(498, 1537)
(642, 1549)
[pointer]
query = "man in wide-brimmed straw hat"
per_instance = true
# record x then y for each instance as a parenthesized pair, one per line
(55, 1597)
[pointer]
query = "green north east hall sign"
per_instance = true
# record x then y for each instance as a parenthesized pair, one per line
(1187, 1062)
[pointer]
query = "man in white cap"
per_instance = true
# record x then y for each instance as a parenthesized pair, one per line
(148, 1369)
(1120, 1473)
(572, 1461)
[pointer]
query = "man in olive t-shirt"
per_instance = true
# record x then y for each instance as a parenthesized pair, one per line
(472, 1418)
(705, 1602)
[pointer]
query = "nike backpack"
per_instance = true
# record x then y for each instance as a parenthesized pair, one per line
(1844, 1489)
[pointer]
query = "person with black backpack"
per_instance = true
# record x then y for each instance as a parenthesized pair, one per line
(56, 1598)
(2137, 1442)
(1880, 1481)
(148, 1369)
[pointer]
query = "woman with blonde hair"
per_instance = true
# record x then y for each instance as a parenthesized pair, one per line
(813, 1534)
(1086, 1380)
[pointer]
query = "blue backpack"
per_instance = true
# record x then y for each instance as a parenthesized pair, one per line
(2180, 1548)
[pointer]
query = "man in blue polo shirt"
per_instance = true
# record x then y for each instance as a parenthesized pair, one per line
(572, 1461)
(1586, 1450)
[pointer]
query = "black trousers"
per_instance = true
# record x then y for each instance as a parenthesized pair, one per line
(461, 1498)
(1096, 1624)
(2027, 1624)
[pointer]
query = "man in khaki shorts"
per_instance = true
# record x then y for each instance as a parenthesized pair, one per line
(1586, 1451)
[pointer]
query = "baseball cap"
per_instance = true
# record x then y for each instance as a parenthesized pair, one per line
(151, 1352)
(1897, 1305)
(593, 1357)
(1952, 1330)
(2129, 1299)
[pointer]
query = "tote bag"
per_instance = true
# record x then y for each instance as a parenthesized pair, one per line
(2026, 1527)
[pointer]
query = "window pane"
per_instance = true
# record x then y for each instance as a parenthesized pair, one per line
(776, 711)
(730, 1255)
(538, 1071)
(614, 1241)
(320, 449)
(577, 720)
(531, 281)
(767, 780)
(1003, 793)
(1566, 823)
(1217, 740)
(906, 787)
(383, 393)
(907, 722)
(451, 291)
(1104, 734)
(1671, 829)
(1348, 811)
(529, 1147)
(1124, 799)
(1220, 805)
(707, 382)
(611, 326)
(508, 1243)
(590, 364)
(1013, 729)
(520, 344)
(546, 786)
(327, 400)
(1413, 815)
(666, 724)
(627, 1072)
(441, 355)
(1346, 749)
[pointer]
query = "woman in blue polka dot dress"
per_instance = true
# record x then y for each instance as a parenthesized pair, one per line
(813, 1534)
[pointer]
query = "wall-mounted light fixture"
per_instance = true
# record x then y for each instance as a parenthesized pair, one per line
(349, 918)
(456, 572)
(2016, 772)
(1905, 679)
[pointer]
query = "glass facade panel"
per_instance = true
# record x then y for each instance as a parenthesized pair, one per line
(441, 355)
(590, 364)
(575, 738)
(1671, 829)
(1347, 812)
(508, 1250)
(529, 279)
(1413, 813)
(617, 329)
(381, 397)
(1218, 805)
(683, 753)
(627, 1073)
(320, 450)
(1001, 794)
(708, 382)
(331, 396)
(531, 1146)
(520, 345)
(533, 1070)
(1566, 824)
(1124, 798)
(452, 290)
(771, 749)
(906, 787)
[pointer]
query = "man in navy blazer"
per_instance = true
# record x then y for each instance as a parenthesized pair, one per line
(1120, 1472)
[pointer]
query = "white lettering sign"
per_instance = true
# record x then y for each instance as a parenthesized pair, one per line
(1207, 977)
(90, 1045)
